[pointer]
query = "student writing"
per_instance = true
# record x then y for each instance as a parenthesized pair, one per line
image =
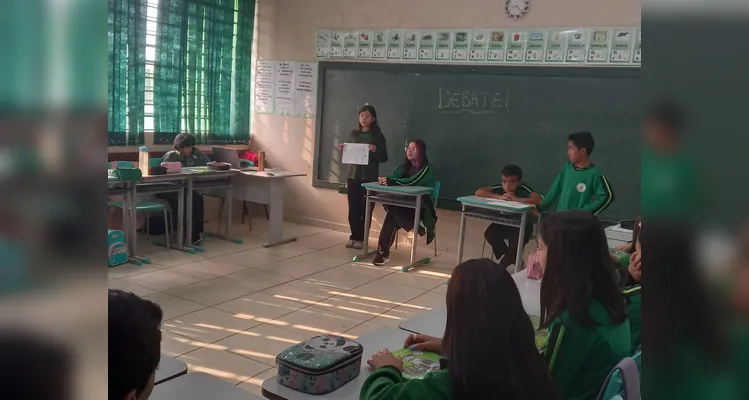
(414, 171)
(580, 185)
(512, 188)
(368, 131)
(581, 304)
(489, 346)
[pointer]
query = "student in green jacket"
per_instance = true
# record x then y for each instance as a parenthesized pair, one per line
(489, 346)
(188, 155)
(580, 185)
(581, 304)
(368, 131)
(512, 188)
(414, 171)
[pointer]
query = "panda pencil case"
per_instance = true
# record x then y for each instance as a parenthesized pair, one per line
(319, 365)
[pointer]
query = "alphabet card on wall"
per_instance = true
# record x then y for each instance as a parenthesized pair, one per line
(365, 44)
(536, 45)
(621, 48)
(443, 45)
(599, 45)
(637, 58)
(496, 46)
(426, 45)
(479, 46)
(460, 42)
(395, 45)
(577, 45)
(410, 45)
(350, 43)
(322, 43)
(516, 46)
(336, 44)
(379, 44)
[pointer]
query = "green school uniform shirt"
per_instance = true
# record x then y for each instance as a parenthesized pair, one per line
(388, 384)
(196, 159)
(405, 175)
(579, 357)
(669, 185)
(523, 191)
(579, 189)
(371, 171)
(634, 309)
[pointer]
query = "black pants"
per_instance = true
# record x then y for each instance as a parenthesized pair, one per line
(396, 218)
(356, 208)
(157, 221)
(496, 234)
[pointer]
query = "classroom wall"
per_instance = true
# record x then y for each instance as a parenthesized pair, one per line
(284, 31)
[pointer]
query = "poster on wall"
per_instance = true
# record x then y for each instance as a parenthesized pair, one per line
(621, 47)
(516, 46)
(479, 46)
(442, 45)
(637, 57)
(264, 79)
(410, 45)
(336, 44)
(496, 46)
(379, 44)
(555, 46)
(305, 89)
(364, 48)
(534, 51)
(322, 43)
(395, 45)
(283, 88)
(349, 44)
(426, 45)
(460, 42)
(599, 44)
(577, 45)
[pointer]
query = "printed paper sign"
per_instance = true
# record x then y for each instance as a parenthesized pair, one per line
(460, 46)
(365, 45)
(336, 44)
(305, 96)
(577, 45)
(426, 45)
(599, 45)
(516, 46)
(350, 43)
(536, 45)
(555, 46)
(322, 44)
(264, 80)
(395, 45)
(496, 50)
(621, 47)
(479, 45)
(443, 45)
(283, 94)
(410, 45)
(379, 44)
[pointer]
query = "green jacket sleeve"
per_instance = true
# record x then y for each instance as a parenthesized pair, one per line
(565, 354)
(604, 196)
(169, 157)
(200, 158)
(388, 384)
(425, 177)
(551, 196)
(382, 148)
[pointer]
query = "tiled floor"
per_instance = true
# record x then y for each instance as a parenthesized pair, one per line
(229, 311)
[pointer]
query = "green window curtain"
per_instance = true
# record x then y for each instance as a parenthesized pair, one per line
(127, 71)
(202, 73)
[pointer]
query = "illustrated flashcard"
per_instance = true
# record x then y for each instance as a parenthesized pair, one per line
(599, 44)
(534, 51)
(496, 48)
(577, 45)
(555, 46)
(461, 40)
(479, 45)
(426, 45)
(443, 45)
(516, 46)
(322, 43)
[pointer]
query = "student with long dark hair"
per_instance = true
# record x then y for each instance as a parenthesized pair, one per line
(414, 171)
(489, 346)
(581, 304)
(367, 131)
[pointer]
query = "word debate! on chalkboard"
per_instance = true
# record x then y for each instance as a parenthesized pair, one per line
(473, 102)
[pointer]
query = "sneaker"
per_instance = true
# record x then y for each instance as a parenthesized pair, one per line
(198, 239)
(380, 259)
(422, 230)
(358, 245)
(350, 244)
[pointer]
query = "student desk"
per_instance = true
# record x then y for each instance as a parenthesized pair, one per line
(169, 369)
(266, 187)
(200, 386)
(401, 196)
(383, 338)
(616, 235)
(432, 322)
(482, 208)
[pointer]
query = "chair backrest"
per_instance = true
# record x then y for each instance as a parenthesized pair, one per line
(623, 382)
(121, 164)
(435, 192)
(154, 162)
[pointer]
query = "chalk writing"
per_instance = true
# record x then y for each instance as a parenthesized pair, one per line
(472, 102)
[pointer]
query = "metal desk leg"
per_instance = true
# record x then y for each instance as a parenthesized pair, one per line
(462, 234)
(188, 216)
(521, 243)
(417, 219)
(367, 226)
(275, 229)
(180, 244)
(227, 205)
(132, 226)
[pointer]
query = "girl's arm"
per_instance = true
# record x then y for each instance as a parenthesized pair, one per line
(388, 384)
(382, 148)
(425, 177)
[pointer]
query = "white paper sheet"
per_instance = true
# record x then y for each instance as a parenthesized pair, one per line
(305, 90)
(355, 153)
(283, 96)
(508, 204)
(265, 70)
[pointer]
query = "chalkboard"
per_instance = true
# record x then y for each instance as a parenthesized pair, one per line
(476, 119)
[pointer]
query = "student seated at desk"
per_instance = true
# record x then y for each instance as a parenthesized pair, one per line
(489, 346)
(512, 189)
(134, 345)
(581, 304)
(186, 153)
(414, 171)
(580, 181)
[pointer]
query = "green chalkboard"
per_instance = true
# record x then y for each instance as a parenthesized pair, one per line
(476, 119)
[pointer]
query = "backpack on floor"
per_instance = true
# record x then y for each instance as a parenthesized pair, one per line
(117, 250)
(534, 269)
(319, 365)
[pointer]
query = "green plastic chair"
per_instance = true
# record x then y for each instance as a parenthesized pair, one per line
(622, 383)
(143, 205)
(435, 196)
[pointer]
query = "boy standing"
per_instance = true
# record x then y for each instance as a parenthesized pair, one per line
(511, 189)
(580, 180)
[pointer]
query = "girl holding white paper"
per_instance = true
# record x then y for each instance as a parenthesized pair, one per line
(367, 131)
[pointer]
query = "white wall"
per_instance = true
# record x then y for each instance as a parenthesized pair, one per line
(285, 31)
